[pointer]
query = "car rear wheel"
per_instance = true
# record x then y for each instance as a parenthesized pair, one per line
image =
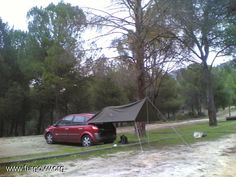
(86, 141)
(49, 138)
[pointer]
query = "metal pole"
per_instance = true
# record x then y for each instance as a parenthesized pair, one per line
(138, 137)
(147, 120)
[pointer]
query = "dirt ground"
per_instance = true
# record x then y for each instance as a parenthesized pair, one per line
(204, 159)
(15, 146)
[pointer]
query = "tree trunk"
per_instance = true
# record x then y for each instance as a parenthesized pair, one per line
(199, 110)
(138, 53)
(16, 129)
(174, 117)
(192, 110)
(210, 97)
(40, 120)
(140, 78)
(141, 94)
(66, 108)
(23, 127)
(52, 115)
(1, 128)
(11, 128)
(229, 111)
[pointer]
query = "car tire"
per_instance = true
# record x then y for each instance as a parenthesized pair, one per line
(86, 141)
(49, 138)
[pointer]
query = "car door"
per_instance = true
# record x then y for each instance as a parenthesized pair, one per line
(77, 128)
(61, 130)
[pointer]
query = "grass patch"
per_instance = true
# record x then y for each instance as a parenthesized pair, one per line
(157, 139)
(168, 136)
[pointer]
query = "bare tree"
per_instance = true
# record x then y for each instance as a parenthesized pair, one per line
(142, 40)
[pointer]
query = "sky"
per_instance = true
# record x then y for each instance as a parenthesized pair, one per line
(14, 13)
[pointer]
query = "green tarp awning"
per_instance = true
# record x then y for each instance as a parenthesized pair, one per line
(139, 111)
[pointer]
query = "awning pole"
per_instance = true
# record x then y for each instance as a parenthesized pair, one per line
(139, 139)
(147, 121)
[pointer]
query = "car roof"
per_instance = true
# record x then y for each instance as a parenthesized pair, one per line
(86, 115)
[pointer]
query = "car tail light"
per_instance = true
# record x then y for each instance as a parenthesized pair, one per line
(94, 127)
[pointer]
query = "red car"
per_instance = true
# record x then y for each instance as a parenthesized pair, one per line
(75, 129)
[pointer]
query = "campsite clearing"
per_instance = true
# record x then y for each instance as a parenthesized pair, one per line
(35, 145)
(162, 139)
(209, 159)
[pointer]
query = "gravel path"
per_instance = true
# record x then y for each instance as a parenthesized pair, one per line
(204, 159)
